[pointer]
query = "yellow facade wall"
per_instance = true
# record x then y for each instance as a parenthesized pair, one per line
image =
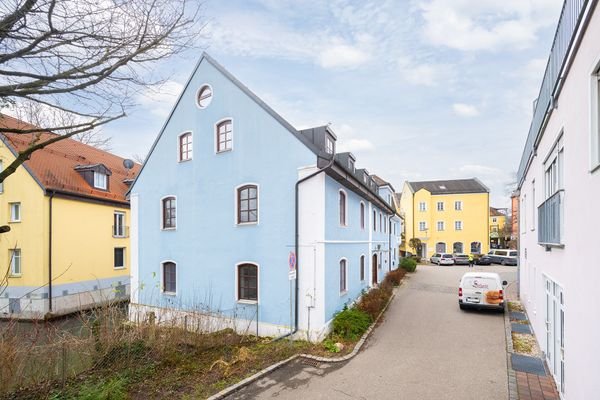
(83, 244)
(31, 234)
(474, 217)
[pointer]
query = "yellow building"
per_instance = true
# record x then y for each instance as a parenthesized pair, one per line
(499, 231)
(68, 246)
(448, 216)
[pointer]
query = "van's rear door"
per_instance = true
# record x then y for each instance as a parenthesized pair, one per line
(480, 290)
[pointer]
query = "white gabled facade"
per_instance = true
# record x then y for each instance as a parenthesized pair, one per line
(559, 198)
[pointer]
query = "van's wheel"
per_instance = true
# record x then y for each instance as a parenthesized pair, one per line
(503, 262)
(461, 306)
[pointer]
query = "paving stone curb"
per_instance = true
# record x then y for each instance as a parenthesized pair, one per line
(513, 393)
(234, 388)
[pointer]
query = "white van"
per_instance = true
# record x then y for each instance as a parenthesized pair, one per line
(504, 256)
(481, 290)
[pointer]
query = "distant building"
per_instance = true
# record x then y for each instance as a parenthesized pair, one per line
(68, 247)
(449, 216)
(499, 228)
(559, 188)
(230, 195)
(514, 220)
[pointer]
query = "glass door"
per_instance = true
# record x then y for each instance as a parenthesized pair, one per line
(559, 349)
(549, 323)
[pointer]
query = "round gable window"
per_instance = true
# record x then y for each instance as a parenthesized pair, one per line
(204, 96)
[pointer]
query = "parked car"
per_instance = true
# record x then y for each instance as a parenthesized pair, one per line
(481, 290)
(483, 259)
(435, 259)
(461, 259)
(504, 256)
(446, 259)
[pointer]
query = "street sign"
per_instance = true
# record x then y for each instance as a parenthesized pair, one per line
(292, 261)
(292, 274)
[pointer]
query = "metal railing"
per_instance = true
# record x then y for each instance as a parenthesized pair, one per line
(550, 215)
(570, 18)
(120, 231)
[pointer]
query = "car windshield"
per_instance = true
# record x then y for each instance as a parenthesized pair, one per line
(513, 253)
(500, 253)
(461, 255)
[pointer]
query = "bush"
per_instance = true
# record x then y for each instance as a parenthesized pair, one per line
(373, 301)
(351, 323)
(395, 276)
(409, 264)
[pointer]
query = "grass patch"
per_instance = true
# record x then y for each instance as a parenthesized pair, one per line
(523, 344)
(515, 306)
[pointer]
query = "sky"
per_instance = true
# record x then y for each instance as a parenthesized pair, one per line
(416, 90)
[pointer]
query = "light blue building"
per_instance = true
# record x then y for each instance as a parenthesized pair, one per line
(230, 195)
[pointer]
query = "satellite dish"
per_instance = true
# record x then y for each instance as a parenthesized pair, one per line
(128, 164)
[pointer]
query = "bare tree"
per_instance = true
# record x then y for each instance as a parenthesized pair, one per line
(95, 138)
(82, 61)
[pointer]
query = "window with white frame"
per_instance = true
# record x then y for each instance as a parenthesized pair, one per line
(343, 276)
(247, 204)
(362, 215)
(15, 212)
(380, 222)
(343, 205)
(494, 219)
(328, 145)
(533, 206)
(169, 277)
(15, 262)
(362, 268)
(350, 164)
(595, 133)
(119, 224)
(553, 167)
(204, 96)
(100, 180)
(523, 214)
(119, 257)
(374, 221)
(422, 226)
(224, 136)
(458, 225)
(458, 205)
(422, 206)
(440, 206)
(185, 146)
(440, 225)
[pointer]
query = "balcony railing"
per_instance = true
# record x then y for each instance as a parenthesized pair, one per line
(120, 231)
(550, 215)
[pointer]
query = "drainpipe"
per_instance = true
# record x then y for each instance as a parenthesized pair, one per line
(296, 245)
(390, 241)
(50, 253)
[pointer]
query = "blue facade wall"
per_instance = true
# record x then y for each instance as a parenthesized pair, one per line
(207, 243)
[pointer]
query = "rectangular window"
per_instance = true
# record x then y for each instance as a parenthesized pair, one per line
(380, 222)
(440, 206)
(342, 200)
(422, 206)
(15, 262)
(119, 257)
(494, 220)
(15, 212)
(350, 164)
(248, 282)
(362, 268)
(374, 221)
(119, 224)
(440, 225)
(100, 180)
(169, 277)
(362, 215)
(458, 225)
(169, 213)
(458, 205)
(343, 286)
(595, 133)
(1, 183)
(534, 207)
(553, 166)
(422, 226)
(247, 199)
(328, 145)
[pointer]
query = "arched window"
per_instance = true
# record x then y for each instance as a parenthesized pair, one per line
(362, 267)
(224, 135)
(204, 96)
(458, 247)
(342, 208)
(440, 247)
(380, 222)
(343, 276)
(362, 215)
(476, 247)
(169, 213)
(185, 146)
(169, 277)
(247, 281)
(374, 221)
(247, 204)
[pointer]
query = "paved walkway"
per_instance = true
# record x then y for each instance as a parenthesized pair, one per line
(427, 348)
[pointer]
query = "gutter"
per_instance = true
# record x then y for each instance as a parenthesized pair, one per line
(296, 245)
(50, 252)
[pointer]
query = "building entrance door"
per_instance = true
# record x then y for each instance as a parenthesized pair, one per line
(374, 270)
(555, 333)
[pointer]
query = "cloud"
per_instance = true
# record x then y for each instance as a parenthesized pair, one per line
(342, 56)
(465, 110)
(471, 25)
(424, 73)
(356, 145)
(160, 100)
(499, 180)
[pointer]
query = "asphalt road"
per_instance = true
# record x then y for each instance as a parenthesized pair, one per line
(427, 348)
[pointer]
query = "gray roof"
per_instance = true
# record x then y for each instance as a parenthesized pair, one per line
(456, 186)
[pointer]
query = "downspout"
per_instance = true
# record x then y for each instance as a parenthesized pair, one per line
(50, 253)
(296, 245)
(390, 240)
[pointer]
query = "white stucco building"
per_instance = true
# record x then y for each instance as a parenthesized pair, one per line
(559, 194)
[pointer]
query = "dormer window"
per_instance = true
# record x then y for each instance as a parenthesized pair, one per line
(351, 164)
(328, 145)
(100, 180)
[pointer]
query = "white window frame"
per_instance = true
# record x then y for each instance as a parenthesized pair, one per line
(1, 183)
(534, 206)
(15, 206)
(216, 135)
(344, 223)
(121, 216)
(458, 205)
(362, 210)
(440, 206)
(124, 255)
(329, 146)
(162, 227)
(422, 226)
(236, 205)
(100, 184)
(162, 278)
(595, 119)
(494, 219)
(422, 206)
(15, 254)
(554, 169)
(179, 156)
(197, 100)
(458, 225)
(345, 291)
(440, 224)
(236, 287)
(362, 268)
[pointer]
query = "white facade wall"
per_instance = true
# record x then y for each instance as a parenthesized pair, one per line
(573, 267)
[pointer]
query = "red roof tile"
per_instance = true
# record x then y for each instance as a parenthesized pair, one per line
(54, 165)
